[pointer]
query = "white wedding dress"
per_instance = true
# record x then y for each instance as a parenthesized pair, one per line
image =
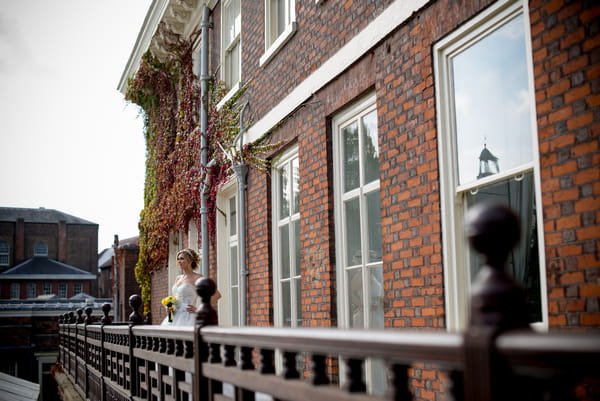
(186, 295)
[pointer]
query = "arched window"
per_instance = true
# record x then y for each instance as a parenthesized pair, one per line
(40, 249)
(4, 254)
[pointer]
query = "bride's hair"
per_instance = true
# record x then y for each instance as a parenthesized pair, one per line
(192, 255)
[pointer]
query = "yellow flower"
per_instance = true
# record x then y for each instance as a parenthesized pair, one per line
(169, 301)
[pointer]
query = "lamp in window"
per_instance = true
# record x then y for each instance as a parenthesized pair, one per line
(488, 163)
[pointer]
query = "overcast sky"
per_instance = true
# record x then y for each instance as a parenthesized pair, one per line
(68, 139)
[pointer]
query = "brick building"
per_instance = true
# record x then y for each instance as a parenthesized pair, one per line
(124, 284)
(397, 116)
(45, 251)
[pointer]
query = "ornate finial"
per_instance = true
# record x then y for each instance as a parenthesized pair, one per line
(105, 310)
(206, 288)
(497, 301)
(493, 230)
(88, 315)
(72, 318)
(135, 301)
(79, 315)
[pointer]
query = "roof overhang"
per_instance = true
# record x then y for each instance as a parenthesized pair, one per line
(163, 17)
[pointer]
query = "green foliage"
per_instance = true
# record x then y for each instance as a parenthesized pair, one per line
(168, 94)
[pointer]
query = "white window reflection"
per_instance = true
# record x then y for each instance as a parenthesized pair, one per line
(492, 101)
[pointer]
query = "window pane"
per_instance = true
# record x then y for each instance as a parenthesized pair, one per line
(523, 262)
(232, 216)
(295, 186)
(284, 201)
(235, 309)
(355, 299)
(376, 304)
(298, 286)
(47, 288)
(370, 148)
(352, 224)
(30, 290)
(40, 249)
(286, 303)
(233, 262)
(350, 162)
(284, 238)
(492, 102)
(234, 65)
(296, 228)
(374, 227)
(14, 291)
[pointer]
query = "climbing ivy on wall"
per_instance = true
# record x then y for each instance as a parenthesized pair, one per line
(168, 94)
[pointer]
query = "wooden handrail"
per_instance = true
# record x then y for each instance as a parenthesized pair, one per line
(497, 357)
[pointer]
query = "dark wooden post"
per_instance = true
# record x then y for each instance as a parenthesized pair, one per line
(206, 316)
(104, 321)
(497, 302)
(86, 321)
(135, 318)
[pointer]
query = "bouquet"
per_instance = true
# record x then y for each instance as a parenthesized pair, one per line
(169, 302)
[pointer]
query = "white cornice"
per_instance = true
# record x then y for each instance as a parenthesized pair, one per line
(179, 16)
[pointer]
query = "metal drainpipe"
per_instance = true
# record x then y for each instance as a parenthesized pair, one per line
(241, 171)
(204, 77)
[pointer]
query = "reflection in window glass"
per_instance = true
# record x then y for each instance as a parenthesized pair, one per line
(355, 298)
(374, 227)
(376, 294)
(370, 147)
(350, 157)
(232, 216)
(523, 262)
(295, 186)
(284, 202)
(492, 101)
(286, 303)
(352, 224)
(284, 235)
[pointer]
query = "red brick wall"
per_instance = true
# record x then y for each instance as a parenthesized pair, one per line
(566, 56)
(160, 284)
(128, 286)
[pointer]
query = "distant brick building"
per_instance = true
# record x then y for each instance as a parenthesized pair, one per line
(124, 284)
(45, 251)
(397, 116)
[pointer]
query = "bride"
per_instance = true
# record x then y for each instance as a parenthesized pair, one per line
(184, 289)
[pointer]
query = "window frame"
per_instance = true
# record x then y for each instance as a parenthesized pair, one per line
(47, 289)
(224, 243)
(31, 289)
(63, 290)
(457, 281)
(4, 253)
(286, 158)
(375, 380)
(40, 249)
(226, 48)
(272, 46)
(15, 291)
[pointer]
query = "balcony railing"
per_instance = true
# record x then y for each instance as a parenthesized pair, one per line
(496, 358)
